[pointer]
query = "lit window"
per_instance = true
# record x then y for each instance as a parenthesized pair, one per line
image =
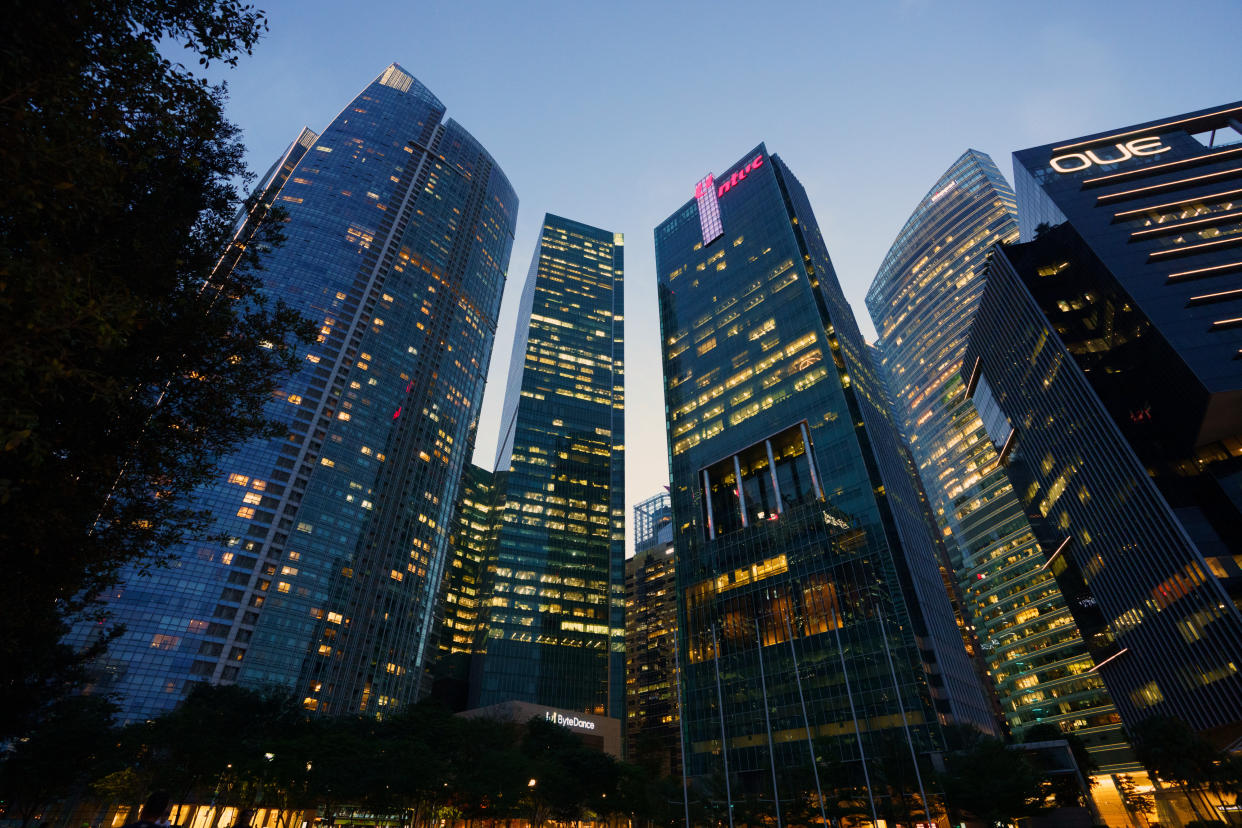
(245, 512)
(239, 479)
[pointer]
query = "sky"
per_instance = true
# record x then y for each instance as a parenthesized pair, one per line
(609, 112)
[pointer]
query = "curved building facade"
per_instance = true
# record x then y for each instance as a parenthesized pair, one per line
(923, 301)
(398, 229)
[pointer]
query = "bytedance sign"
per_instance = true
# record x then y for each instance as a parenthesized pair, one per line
(1077, 161)
(568, 721)
(706, 193)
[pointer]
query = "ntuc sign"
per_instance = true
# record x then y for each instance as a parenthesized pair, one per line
(731, 182)
(1114, 154)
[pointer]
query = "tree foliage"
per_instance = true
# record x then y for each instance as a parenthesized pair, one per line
(129, 362)
(991, 782)
(246, 749)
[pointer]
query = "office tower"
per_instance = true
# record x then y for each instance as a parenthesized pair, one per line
(922, 301)
(812, 606)
(652, 726)
(554, 632)
(1104, 361)
(398, 228)
(461, 605)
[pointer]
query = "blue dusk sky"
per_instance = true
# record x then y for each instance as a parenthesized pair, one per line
(609, 112)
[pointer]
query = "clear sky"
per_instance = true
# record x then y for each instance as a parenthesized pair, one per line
(609, 112)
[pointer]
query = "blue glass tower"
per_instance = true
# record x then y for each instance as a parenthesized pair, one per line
(816, 639)
(1105, 360)
(923, 300)
(555, 584)
(398, 230)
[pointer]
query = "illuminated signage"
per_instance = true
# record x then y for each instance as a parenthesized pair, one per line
(568, 721)
(1076, 161)
(706, 193)
(944, 191)
(754, 164)
(709, 210)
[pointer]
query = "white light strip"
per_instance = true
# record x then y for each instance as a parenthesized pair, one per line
(1215, 297)
(1122, 651)
(1151, 128)
(1056, 554)
(1162, 229)
(1187, 248)
(1178, 203)
(1168, 184)
(1185, 162)
(1204, 270)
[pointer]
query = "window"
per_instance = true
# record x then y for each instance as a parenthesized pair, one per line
(774, 474)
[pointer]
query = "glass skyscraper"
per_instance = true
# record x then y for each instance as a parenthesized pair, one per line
(398, 229)
(923, 300)
(812, 606)
(554, 586)
(1105, 362)
(652, 725)
(461, 605)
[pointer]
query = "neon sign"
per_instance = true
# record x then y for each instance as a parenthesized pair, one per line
(709, 210)
(568, 721)
(740, 175)
(1076, 161)
(706, 193)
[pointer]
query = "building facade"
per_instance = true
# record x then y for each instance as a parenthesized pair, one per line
(812, 608)
(1116, 400)
(471, 545)
(398, 229)
(652, 723)
(922, 301)
(554, 631)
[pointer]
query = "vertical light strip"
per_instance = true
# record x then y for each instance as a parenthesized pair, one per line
(709, 210)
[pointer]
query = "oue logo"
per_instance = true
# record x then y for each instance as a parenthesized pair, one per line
(1076, 161)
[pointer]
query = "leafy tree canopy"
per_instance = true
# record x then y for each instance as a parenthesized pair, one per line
(129, 363)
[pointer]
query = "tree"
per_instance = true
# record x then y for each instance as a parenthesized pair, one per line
(1068, 790)
(129, 363)
(74, 746)
(991, 782)
(1176, 753)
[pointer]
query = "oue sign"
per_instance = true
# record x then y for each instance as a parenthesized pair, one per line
(1077, 161)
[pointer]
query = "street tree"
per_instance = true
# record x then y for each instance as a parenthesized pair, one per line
(130, 362)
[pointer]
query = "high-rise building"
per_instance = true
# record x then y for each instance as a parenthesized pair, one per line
(554, 588)
(1104, 361)
(812, 605)
(471, 544)
(922, 301)
(652, 725)
(398, 228)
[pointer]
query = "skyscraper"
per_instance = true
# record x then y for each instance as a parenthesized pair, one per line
(813, 608)
(398, 231)
(1104, 362)
(652, 724)
(554, 632)
(922, 300)
(461, 606)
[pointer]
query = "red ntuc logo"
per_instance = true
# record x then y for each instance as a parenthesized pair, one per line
(724, 187)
